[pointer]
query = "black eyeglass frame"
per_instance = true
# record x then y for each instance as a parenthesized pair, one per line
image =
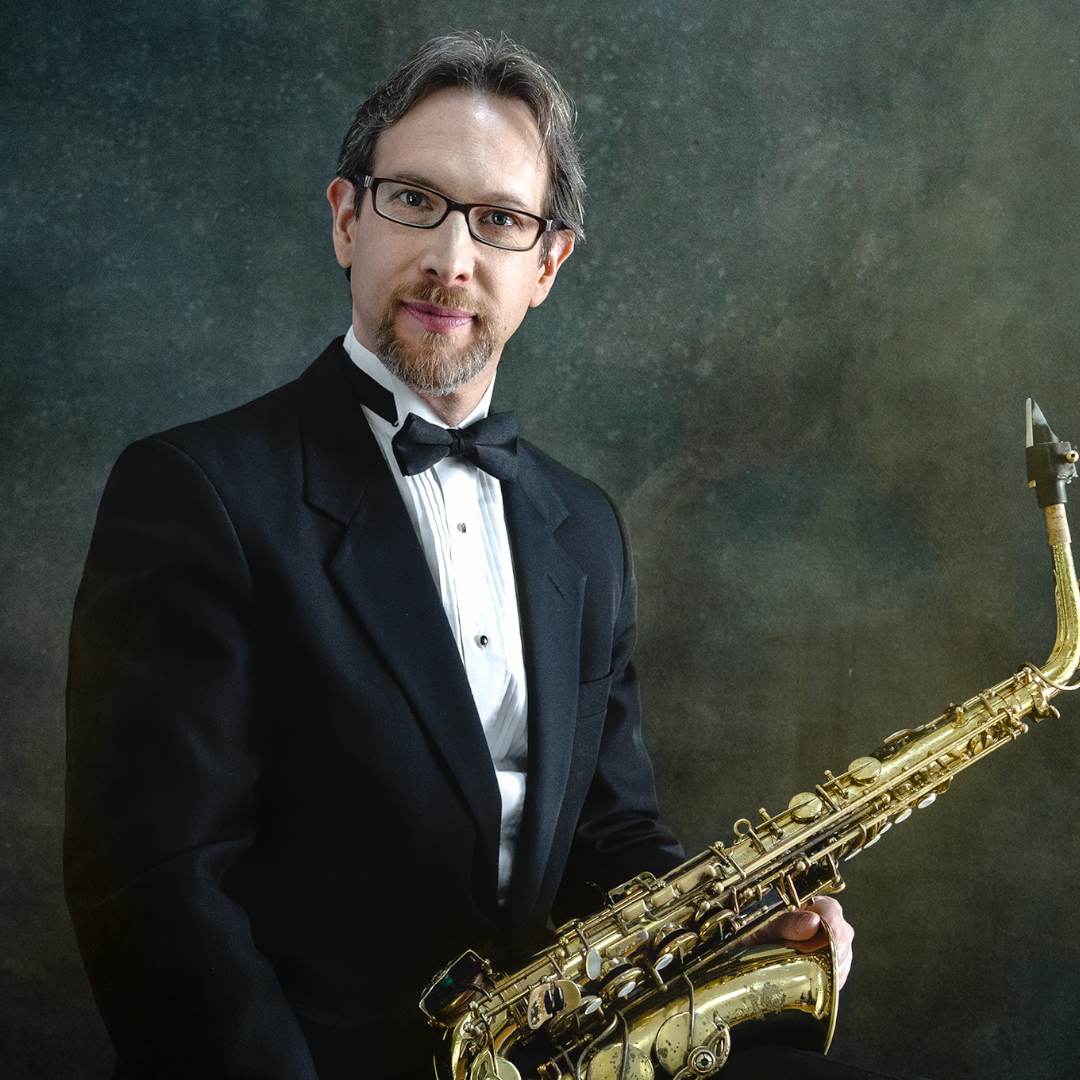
(547, 224)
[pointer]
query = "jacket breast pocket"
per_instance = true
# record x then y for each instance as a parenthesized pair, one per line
(593, 696)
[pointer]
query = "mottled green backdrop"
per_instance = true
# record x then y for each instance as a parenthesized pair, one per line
(831, 249)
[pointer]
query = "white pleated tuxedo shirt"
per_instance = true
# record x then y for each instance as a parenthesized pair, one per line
(457, 512)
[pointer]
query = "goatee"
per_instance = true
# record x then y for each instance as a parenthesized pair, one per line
(431, 365)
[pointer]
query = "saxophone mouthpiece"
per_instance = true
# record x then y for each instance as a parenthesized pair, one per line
(1038, 430)
(1051, 463)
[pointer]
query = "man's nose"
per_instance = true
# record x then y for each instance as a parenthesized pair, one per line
(450, 253)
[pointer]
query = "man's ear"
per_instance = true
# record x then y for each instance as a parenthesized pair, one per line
(561, 246)
(342, 194)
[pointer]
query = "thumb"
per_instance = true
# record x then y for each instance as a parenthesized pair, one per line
(799, 925)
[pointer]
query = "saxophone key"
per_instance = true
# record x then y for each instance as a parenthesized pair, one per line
(493, 1068)
(675, 1051)
(593, 964)
(673, 943)
(571, 993)
(879, 832)
(805, 806)
(608, 1064)
(864, 770)
(716, 922)
(620, 981)
(549, 999)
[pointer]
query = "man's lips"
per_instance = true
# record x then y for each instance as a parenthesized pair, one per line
(437, 320)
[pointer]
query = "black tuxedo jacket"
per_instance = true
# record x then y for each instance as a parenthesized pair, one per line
(282, 811)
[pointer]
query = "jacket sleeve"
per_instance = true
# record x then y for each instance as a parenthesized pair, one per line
(619, 833)
(165, 750)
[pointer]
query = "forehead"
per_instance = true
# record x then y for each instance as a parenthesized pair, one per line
(471, 145)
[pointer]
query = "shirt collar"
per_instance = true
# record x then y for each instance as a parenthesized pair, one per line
(406, 400)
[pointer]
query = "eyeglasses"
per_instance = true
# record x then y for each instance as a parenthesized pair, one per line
(422, 208)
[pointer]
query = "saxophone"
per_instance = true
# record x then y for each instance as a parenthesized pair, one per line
(656, 982)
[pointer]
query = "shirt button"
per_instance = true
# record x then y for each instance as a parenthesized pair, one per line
(461, 526)
(482, 641)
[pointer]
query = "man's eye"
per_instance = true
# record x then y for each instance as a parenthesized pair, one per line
(503, 219)
(412, 199)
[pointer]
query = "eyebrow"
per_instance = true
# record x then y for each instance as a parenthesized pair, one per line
(495, 198)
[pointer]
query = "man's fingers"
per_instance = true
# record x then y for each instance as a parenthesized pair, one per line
(803, 925)
(795, 925)
(842, 931)
(804, 930)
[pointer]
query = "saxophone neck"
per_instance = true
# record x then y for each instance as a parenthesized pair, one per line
(1064, 659)
(1051, 465)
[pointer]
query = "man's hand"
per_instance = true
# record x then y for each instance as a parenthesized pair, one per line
(802, 929)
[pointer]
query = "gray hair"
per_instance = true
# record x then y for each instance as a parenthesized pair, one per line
(471, 61)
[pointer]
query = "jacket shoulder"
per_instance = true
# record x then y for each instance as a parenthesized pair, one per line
(266, 415)
(262, 435)
(582, 498)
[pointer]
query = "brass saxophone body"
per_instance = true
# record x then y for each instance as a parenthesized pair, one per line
(655, 984)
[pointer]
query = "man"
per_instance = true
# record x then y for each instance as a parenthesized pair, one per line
(342, 703)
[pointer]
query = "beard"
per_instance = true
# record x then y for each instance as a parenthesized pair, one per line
(431, 364)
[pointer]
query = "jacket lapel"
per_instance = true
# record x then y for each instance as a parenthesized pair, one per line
(381, 570)
(551, 591)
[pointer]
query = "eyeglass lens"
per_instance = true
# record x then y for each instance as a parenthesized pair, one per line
(422, 208)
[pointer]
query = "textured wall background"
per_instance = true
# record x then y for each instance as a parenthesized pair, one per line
(832, 248)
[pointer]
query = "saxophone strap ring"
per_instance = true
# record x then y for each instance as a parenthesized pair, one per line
(1040, 677)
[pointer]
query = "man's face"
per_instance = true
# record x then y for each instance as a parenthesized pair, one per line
(436, 305)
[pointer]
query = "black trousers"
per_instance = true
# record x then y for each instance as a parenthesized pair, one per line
(783, 1063)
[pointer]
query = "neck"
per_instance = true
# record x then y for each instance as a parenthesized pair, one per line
(457, 406)
(454, 408)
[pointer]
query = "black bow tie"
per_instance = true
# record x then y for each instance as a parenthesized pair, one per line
(490, 444)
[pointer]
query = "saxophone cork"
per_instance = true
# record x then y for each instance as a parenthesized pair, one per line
(658, 983)
(1057, 525)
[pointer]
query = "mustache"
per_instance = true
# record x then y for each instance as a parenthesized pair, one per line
(440, 296)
